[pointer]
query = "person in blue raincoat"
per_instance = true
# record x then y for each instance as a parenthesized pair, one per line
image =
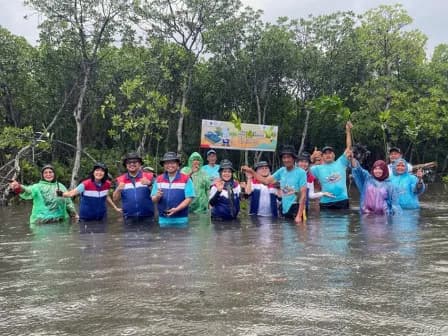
(409, 186)
(378, 195)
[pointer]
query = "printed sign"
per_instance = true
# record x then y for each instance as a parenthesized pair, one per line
(224, 134)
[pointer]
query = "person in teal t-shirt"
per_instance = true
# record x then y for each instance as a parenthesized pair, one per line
(212, 168)
(292, 184)
(332, 175)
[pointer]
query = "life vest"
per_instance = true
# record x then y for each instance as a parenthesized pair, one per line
(173, 193)
(136, 197)
(93, 200)
(257, 189)
(226, 208)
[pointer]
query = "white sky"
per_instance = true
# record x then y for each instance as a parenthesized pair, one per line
(430, 16)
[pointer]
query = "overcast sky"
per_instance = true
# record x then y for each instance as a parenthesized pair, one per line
(430, 16)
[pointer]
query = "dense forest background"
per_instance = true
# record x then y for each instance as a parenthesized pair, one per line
(112, 76)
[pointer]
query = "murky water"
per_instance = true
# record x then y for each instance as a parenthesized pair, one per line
(340, 274)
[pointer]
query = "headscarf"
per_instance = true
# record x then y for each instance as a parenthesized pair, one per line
(380, 164)
(47, 166)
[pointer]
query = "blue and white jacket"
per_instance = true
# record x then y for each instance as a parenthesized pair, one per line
(136, 197)
(173, 193)
(224, 206)
(93, 200)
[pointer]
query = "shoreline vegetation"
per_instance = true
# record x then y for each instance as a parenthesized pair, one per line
(93, 88)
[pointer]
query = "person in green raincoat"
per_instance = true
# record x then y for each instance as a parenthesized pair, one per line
(47, 206)
(201, 183)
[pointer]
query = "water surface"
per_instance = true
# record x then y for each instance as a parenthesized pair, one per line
(340, 274)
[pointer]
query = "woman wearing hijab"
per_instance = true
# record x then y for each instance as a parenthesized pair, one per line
(47, 206)
(408, 186)
(378, 195)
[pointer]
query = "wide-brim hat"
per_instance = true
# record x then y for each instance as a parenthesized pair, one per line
(261, 164)
(288, 150)
(101, 166)
(169, 156)
(226, 164)
(305, 156)
(132, 156)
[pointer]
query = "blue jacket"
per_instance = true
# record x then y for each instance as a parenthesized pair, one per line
(173, 193)
(223, 205)
(93, 201)
(377, 197)
(407, 187)
(136, 197)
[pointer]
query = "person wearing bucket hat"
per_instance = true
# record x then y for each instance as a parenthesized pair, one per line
(47, 206)
(201, 183)
(263, 198)
(225, 194)
(173, 192)
(394, 155)
(332, 174)
(132, 158)
(134, 189)
(292, 184)
(212, 168)
(94, 193)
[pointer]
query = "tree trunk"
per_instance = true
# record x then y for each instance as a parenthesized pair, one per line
(183, 106)
(77, 113)
(305, 131)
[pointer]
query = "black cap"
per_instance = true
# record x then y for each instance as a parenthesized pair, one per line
(211, 151)
(327, 148)
(288, 150)
(226, 164)
(132, 156)
(261, 164)
(394, 149)
(169, 156)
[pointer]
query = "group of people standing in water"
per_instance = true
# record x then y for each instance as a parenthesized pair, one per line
(213, 189)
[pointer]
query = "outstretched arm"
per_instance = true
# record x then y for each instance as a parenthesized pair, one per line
(265, 180)
(348, 135)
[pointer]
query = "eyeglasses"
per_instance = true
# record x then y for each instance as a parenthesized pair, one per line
(132, 161)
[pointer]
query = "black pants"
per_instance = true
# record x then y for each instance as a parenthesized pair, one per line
(292, 212)
(339, 205)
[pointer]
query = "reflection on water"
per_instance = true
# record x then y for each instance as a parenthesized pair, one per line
(339, 274)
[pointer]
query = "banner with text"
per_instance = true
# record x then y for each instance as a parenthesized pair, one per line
(224, 134)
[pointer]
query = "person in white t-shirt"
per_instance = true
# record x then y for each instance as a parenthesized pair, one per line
(263, 198)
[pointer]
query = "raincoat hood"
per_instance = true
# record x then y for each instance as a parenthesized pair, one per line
(394, 166)
(195, 156)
